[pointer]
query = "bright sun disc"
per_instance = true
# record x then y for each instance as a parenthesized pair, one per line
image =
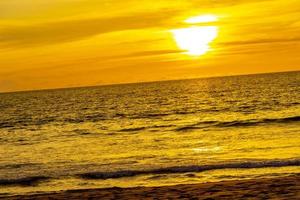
(195, 40)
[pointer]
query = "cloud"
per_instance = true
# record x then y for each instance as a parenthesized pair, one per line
(72, 30)
(262, 41)
(145, 54)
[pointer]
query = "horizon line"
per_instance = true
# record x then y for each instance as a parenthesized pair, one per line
(142, 82)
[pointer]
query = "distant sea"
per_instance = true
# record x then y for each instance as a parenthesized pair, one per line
(150, 134)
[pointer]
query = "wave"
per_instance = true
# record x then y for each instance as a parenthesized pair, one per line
(258, 122)
(191, 168)
(239, 123)
(148, 115)
(286, 119)
(19, 124)
(26, 181)
(17, 165)
(22, 123)
(35, 180)
(152, 128)
(132, 129)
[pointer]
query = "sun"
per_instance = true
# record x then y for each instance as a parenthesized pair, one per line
(195, 40)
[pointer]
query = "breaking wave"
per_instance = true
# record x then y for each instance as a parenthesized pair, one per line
(26, 181)
(191, 168)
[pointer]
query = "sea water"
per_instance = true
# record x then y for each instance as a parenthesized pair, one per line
(150, 134)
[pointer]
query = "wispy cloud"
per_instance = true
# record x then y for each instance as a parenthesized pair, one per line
(145, 54)
(72, 30)
(262, 41)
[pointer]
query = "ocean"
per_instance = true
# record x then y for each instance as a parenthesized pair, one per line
(150, 134)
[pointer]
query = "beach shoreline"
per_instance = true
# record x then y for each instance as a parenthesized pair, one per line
(285, 187)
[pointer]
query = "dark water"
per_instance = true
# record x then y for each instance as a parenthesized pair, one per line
(150, 133)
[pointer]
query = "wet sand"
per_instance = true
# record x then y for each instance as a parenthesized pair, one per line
(267, 188)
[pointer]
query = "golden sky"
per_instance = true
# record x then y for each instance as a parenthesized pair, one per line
(67, 43)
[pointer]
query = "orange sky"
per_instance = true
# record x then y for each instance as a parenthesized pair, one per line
(67, 43)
